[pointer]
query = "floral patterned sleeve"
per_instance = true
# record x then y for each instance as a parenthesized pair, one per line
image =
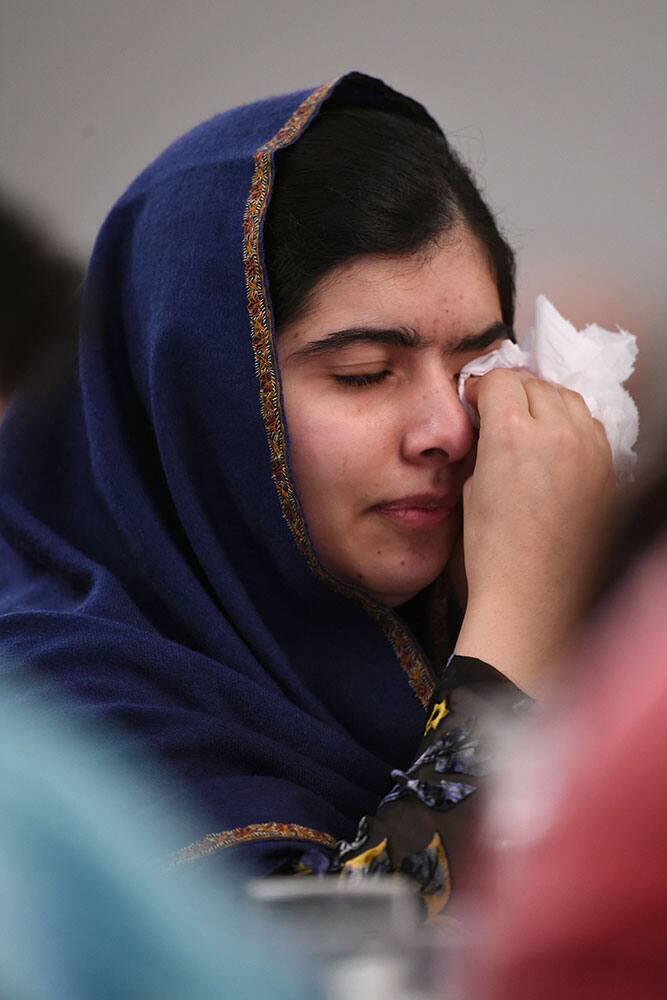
(424, 823)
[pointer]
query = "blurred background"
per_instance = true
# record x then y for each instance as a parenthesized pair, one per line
(558, 106)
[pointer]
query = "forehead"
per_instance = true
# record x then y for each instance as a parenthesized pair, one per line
(447, 289)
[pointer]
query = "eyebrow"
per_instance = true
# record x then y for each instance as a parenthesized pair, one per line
(401, 337)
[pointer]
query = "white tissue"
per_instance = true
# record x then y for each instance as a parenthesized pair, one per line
(594, 362)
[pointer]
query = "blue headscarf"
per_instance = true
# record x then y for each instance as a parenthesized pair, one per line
(155, 568)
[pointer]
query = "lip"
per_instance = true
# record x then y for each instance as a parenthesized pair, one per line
(423, 510)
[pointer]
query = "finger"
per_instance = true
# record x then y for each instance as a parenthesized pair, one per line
(600, 428)
(474, 382)
(576, 404)
(501, 395)
(581, 416)
(471, 390)
(544, 400)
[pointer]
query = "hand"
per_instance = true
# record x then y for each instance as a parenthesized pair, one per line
(535, 514)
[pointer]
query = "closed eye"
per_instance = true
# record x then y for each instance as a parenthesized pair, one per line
(369, 378)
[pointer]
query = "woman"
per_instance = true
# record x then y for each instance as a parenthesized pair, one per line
(233, 590)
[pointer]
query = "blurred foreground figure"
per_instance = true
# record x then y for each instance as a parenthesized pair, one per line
(39, 306)
(85, 909)
(580, 907)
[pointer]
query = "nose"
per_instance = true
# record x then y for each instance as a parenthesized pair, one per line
(436, 428)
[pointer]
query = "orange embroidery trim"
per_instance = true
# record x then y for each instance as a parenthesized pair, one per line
(261, 322)
(214, 842)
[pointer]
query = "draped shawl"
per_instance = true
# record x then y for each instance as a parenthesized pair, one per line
(155, 569)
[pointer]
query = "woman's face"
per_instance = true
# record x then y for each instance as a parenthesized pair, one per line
(379, 443)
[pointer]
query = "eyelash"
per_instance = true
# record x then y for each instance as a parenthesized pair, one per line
(372, 378)
(357, 381)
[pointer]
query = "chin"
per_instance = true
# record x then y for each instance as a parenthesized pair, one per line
(396, 578)
(398, 588)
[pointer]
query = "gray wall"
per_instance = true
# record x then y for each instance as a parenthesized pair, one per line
(559, 106)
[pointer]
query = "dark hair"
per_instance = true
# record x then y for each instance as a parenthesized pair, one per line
(40, 302)
(368, 181)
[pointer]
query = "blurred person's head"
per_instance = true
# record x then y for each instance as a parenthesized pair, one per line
(39, 306)
(85, 871)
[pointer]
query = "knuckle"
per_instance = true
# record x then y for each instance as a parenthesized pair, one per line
(600, 440)
(509, 430)
(599, 458)
(498, 376)
(565, 437)
(572, 396)
(605, 452)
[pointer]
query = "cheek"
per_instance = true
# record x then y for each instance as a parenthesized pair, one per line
(323, 452)
(335, 454)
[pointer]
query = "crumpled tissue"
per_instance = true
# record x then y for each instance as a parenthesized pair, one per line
(594, 362)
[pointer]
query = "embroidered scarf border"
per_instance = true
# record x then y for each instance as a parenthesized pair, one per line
(214, 842)
(409, 656)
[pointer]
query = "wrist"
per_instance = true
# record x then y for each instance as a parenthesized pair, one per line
(520, 647)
